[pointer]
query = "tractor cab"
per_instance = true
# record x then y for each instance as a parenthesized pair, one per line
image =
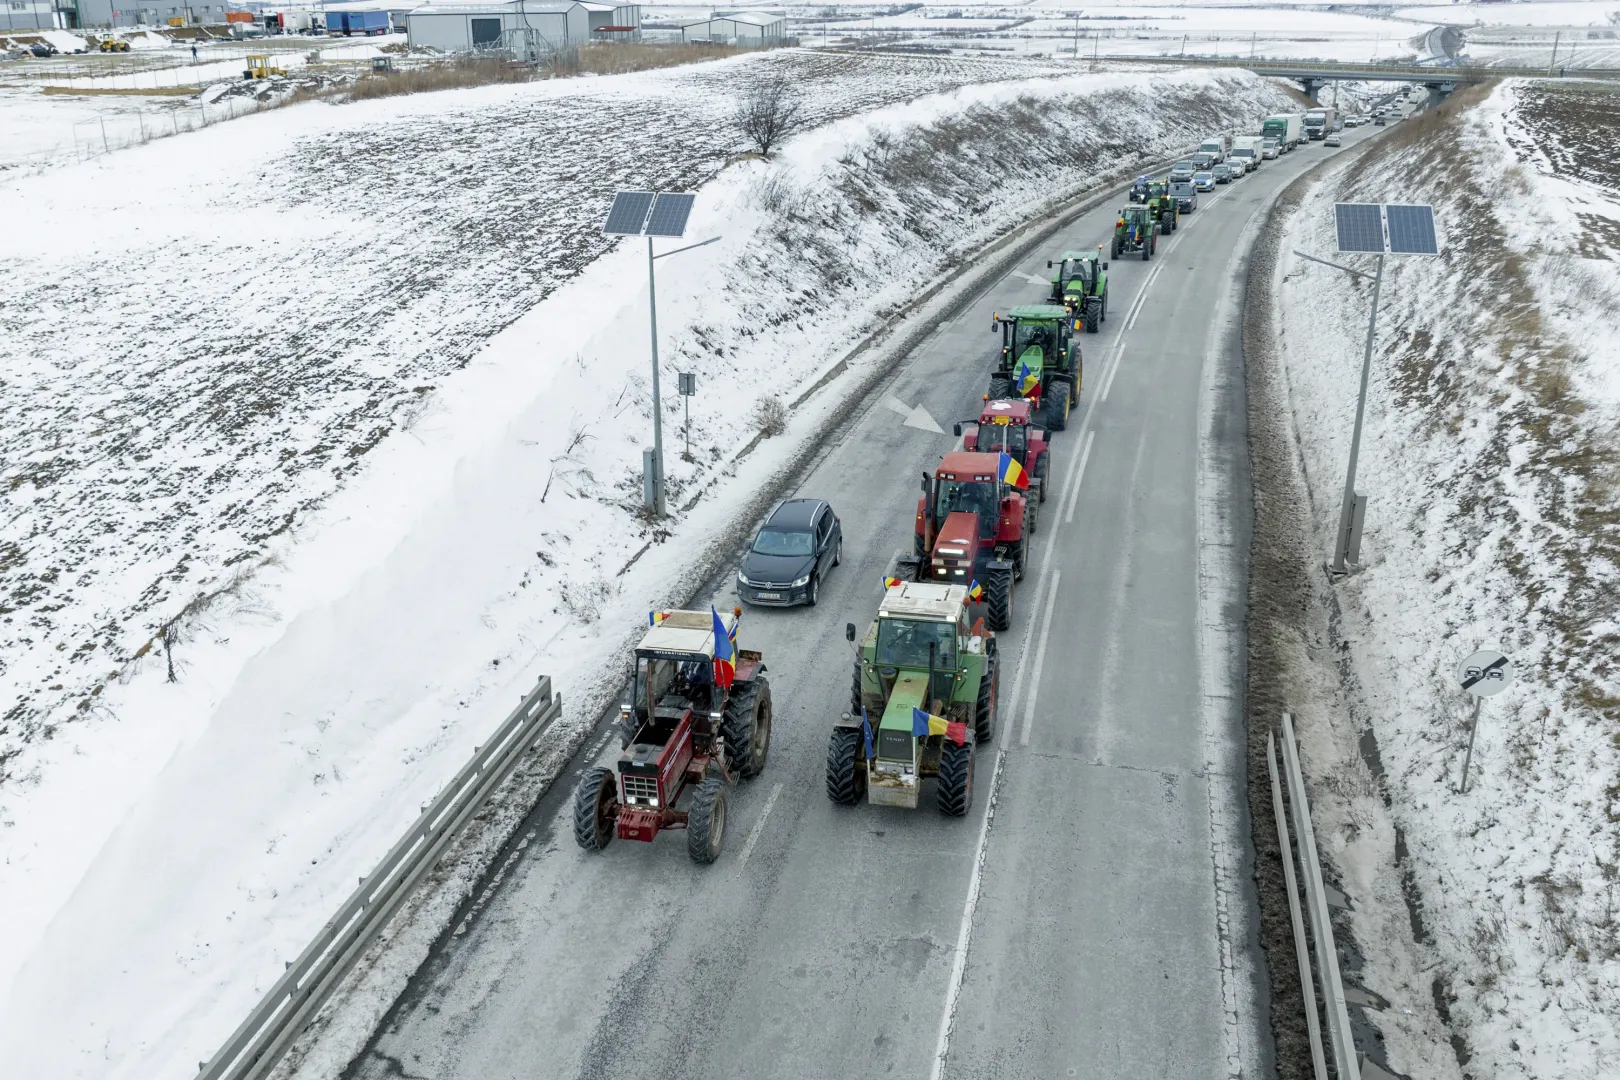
(1039, 361)
(1139, 189)
(1004, 427)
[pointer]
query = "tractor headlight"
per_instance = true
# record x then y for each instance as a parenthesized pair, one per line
(801, 582)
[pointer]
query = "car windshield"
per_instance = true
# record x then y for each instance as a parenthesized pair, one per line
(1204, 176)
(784, 542)
(903, 643)
(998, 438)
(969, 497)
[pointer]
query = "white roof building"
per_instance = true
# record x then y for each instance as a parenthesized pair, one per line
(739, 28)
(528, 28)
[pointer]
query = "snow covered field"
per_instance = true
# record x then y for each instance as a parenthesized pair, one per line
(391, 439)
(1492, 456)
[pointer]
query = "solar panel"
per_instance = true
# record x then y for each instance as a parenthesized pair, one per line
(669, 214)
(1411, 229)
(1361, 227)
(628, 214)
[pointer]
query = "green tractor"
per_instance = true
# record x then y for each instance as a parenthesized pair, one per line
(1163, 207)
(923, 697)
(1080, 284)
(1038, 361)
(1136, 230)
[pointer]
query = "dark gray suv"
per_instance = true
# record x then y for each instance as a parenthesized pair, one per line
(799, 544)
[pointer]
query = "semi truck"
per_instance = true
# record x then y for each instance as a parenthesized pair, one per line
(1319, 123)
(1247, 149)
(1286, 128)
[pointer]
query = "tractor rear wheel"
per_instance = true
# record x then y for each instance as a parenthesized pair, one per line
(706, 821)
(1032, 516)
(746, 725)
(1116, 247)
(955, 785)
(1000, 388)
(1058, 394)
(846, 766)
(998, 589)
(596, 809)
(984, 710)
(1041, 464)
(855, 690)
(1018, 553)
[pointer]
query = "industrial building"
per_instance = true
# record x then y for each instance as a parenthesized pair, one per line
(527, 28)
(739, 28)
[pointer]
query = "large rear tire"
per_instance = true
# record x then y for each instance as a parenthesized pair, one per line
(706, 821)
(1000, 388)
(1032, 516)
(984, 710)
(596, 805)
(998, 590)
(746, 725)
(954, 790)
(855, 691)
(846, 766)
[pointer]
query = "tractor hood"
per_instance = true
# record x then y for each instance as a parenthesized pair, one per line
(1033, 358)
(907, 694)
(958, 539)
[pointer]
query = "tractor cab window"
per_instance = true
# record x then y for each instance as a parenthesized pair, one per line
(1041, 334)
(784, 542)
(1003, 438)
(968, 497)
(654, 678)
(902, 643)
(665, 681)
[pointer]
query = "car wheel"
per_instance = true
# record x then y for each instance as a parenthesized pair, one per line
(815, 591)
(838, 552)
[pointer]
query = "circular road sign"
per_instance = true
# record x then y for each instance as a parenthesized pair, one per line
(1486, 673)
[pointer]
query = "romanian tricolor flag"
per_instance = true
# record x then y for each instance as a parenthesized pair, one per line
(725, 653)
(975, 592)
(1029, 383)
(1013, 473)
(926, 724)
(889, 583)
(656, 617)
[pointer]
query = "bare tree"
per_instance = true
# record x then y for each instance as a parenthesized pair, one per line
(769, 112)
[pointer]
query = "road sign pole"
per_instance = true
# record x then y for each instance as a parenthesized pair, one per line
(657, 506)
(1341, 547)
(1473, 729)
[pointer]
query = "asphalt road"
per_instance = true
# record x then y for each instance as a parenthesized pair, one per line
(1078, 932)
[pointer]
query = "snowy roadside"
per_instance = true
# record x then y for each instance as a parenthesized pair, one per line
(494, 537)
(1491, 454)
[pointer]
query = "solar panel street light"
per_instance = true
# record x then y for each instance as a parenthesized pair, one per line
(1371, 229)
(650, 214)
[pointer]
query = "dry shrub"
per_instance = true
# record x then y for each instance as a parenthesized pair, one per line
(770, 417)
(441, 75)
(618, 58)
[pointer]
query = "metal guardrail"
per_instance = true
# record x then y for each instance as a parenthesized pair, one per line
(1393, 72)
(258, 1044)
(1346, 1065)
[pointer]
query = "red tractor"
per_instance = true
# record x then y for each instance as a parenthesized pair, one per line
(1004, 427)
(972, 526)
(681, 728)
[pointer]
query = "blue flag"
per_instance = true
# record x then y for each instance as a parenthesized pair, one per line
(866, 732)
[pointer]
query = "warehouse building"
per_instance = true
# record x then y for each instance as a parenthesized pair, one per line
(527, 29)
(613, 22)
(741, 28)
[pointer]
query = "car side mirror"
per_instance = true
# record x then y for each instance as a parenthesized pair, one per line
(849, 631)
(956, 429)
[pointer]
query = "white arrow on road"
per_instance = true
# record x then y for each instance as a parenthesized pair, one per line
(1033, 279)
(917, 418)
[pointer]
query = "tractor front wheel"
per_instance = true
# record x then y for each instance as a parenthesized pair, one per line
(1000, 388)
(746, 725)
(846, 766)
(1032, 516)
(596, 809)
(1041, 464)
(1057, 395)
(706, 821)
(1093, 315)
(998, 590)
(955, 785)
(984, 710)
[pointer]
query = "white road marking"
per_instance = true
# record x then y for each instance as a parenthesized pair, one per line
(1108, 383)
(759, 827)
(1141, 297)
(1074, 492)
(1040, 658)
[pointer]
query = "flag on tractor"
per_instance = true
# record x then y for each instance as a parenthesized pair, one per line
(656, 617)
(1013, 473)
(889, 583)
(725, 653)
(926, 724)
(1029, 383)
(866, 733)
(975, 591)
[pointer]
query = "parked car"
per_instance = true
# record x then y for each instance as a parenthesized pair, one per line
(43, 49)
(1203, 181)
(1268, 150)
(1333, 140)
(799, 544)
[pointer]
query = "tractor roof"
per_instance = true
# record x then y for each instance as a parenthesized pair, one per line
(967, 465)
(689, 632)
(1006, 412)
(922, 600)
(1037, 311)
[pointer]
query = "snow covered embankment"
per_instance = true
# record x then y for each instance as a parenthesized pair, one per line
(494, 538)
(1490, 453)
